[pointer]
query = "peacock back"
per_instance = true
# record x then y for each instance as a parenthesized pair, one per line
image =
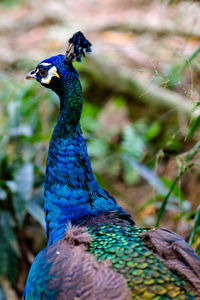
(146, 276)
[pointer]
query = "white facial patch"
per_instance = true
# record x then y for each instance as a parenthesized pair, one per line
(45, 64)
(51, 73)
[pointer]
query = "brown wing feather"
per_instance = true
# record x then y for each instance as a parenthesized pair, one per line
(75, 274)
(175, 253)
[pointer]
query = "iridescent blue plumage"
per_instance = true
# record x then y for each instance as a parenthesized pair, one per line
(67, 269)
(75, 195)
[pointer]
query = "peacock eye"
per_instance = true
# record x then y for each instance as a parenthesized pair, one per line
(43, 72)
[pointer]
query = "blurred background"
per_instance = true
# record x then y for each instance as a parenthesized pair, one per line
(140, 117)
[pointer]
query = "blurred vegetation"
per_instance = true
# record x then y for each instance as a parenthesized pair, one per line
(145, 154)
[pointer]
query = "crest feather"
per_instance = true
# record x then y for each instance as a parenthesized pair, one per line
(78, 46)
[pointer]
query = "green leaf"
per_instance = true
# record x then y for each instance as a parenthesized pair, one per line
(37, 212)
(89, 121)
(165, 201)
(8, 247)
(133, 143)
(190, 59)
(176, 190)
(151, 201)
(196, 225)
(153, 131)
(7, 225)
(3, 194)
(131, 176)
(97, 147)
(193, 127)
(198, 250)
(148, 175)
(119, 102)
(24, 178)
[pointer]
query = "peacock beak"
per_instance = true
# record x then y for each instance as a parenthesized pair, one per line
(31, 75)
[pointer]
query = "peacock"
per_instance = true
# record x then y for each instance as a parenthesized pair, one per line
(94, 250)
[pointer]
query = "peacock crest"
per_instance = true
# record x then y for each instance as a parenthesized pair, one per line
(78, 46)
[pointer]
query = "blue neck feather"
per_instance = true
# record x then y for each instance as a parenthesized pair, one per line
(71, 191)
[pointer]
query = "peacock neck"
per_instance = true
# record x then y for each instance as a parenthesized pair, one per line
(71, 191)
(71, 100)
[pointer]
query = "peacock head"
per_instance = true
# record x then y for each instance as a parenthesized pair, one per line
(57, 72)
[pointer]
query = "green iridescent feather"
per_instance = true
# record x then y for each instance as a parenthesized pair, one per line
(145, 274)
